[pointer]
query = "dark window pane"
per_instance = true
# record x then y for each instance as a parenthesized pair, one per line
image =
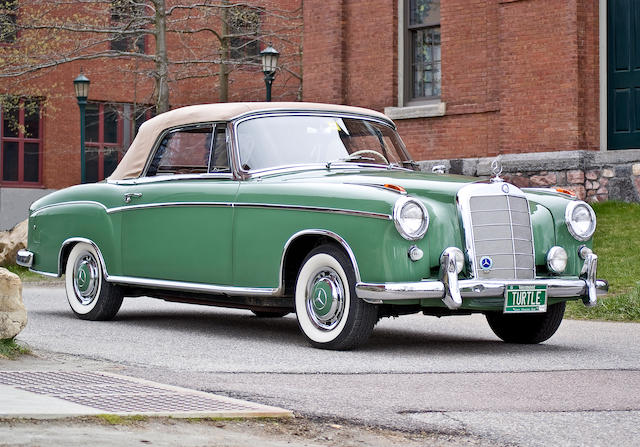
(110, 125)
(91, 164)
(10, 161)
(110, 161)
(31, 162)
(424, 12)
(425, 70)
(92, 123)
(244, 25)
(31, 119)
(10, 122)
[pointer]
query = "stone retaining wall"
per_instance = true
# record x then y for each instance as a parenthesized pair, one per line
(593, 176)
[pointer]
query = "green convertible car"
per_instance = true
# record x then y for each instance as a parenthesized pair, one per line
(314, 209)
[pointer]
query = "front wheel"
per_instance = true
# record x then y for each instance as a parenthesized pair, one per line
(329, 313)
(527, 328)
(90, 296)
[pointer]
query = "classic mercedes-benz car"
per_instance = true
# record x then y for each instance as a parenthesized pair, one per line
(314, 209)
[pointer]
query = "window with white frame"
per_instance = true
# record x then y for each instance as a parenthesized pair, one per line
(422, 65)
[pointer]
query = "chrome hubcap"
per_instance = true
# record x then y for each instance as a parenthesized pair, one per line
(325, 299)
(86, 275)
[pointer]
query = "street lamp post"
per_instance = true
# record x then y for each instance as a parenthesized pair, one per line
(269, 64)
(81, 85)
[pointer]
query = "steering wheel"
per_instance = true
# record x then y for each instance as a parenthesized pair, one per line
(370, 152)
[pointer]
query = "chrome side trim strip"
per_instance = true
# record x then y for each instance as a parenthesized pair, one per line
(78, 202)
(316, 209)
(192, 287)
(52, 275)
(169, 205)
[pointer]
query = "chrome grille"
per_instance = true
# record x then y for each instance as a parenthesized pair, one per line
(498, 228)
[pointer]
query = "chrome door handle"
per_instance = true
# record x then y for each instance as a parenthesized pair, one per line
(128, 196)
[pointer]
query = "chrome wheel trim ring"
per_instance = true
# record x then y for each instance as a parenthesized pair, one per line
(86, 278)
(325, 299)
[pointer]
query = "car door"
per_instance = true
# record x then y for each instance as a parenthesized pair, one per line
(177, 218)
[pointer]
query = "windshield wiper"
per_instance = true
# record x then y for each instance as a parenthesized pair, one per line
(353, 157)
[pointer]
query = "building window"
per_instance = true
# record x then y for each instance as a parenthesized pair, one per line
(422, 49)
(127, 15)
(109, 130)
(21, 143)
(104, 127)
(8, 20)
(244, 27)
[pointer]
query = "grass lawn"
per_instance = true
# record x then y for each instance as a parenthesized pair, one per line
(617, 244)
(9, 349)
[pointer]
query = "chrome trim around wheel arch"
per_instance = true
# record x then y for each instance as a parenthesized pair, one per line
(86, 241)
(316, 232)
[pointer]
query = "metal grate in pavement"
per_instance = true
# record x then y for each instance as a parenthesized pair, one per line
(122, 395)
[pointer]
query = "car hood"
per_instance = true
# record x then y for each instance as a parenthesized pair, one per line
(427, 185)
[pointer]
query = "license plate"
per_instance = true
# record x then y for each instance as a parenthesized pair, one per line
(525, 299)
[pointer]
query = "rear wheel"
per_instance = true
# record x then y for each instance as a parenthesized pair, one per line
(329, 313)
(527, 328)
(88, 294)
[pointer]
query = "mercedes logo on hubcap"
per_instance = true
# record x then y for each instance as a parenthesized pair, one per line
(321, 299)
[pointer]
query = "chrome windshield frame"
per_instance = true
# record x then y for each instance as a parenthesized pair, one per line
(246, 174)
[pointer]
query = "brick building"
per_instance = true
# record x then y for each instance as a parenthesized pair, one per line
(552, 86)
(40, 136)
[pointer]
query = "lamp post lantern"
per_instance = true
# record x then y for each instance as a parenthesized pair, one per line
(81, 85)
(269, 64)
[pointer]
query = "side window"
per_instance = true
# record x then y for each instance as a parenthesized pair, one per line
(183, 151)
(220, 159)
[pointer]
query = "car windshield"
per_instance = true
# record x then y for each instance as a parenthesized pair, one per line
(272, 141)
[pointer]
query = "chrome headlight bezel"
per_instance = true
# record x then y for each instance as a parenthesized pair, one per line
(571, 223)
(406, 233)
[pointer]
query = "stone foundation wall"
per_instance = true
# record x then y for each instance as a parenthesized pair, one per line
(593, 176)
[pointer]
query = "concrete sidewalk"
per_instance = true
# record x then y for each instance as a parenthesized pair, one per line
(32, 387)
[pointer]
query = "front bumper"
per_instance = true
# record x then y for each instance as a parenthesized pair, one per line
(451, 290)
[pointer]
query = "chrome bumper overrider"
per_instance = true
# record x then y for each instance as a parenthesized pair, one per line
(24, 258)
(451, 290)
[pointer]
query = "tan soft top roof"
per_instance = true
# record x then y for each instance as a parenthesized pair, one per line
(134, 161)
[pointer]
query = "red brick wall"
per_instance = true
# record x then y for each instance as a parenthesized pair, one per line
(116, 81)
(517, 75)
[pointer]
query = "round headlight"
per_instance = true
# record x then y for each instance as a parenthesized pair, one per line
(580, 220)
(557, 259)
(411, 218)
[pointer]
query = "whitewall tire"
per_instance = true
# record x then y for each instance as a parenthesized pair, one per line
(329, 313)
(88, 294)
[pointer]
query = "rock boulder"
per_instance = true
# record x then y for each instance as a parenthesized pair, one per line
(11, 241)
(13, 314)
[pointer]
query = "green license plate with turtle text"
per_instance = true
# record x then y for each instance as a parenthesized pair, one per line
(525, 299)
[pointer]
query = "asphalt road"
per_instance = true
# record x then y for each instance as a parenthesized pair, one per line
(582, 387)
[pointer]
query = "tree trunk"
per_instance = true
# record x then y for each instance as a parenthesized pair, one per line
(162, 60)
(223, 77)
